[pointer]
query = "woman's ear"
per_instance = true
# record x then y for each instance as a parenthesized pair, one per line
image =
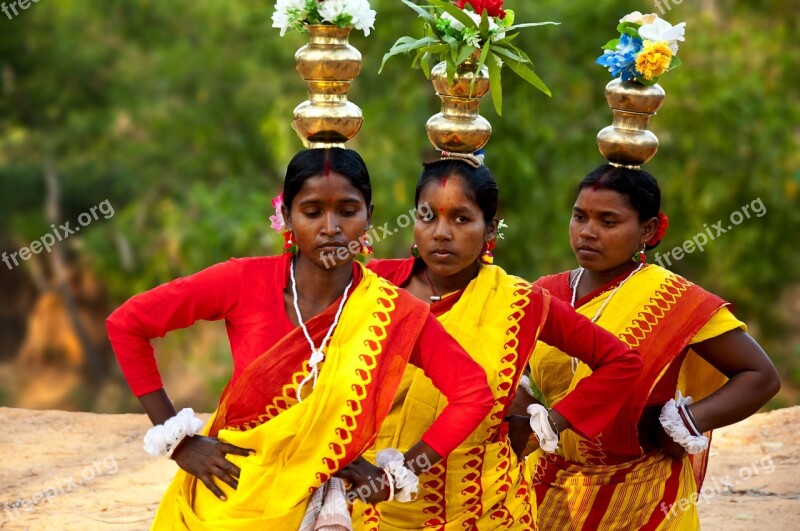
(649, 229)
(370, 211)
(491, 230)
(287, 217)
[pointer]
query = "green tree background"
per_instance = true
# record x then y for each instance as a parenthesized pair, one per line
(179, 113)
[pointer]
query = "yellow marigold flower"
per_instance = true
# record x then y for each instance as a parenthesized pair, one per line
(654, 59)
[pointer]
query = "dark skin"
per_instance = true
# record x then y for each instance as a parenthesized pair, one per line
(450, 241)
(327, 217)
(605, 232)
(327, 214)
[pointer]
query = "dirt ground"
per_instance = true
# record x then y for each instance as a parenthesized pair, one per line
(88, 471)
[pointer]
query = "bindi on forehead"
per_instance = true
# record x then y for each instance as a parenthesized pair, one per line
(444, 182)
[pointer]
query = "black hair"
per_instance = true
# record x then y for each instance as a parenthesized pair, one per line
(637, 186)
(481, 184)
(320, 161)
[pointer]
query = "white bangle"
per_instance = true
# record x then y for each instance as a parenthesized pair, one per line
(677, 430)
(164, 438)
(390, 479)
(540, 424)
(404, 483)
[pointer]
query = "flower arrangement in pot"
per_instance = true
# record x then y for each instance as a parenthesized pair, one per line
(469, 35)
(297, 14)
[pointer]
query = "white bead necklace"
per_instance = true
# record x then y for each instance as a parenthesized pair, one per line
(316, 353)
(574, 361)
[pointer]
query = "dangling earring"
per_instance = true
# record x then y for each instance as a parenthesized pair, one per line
(366, 248)
(486, 254)
(289, 245)
(415, 250)
(640, 257)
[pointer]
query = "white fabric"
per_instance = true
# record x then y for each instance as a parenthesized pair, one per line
(548, 439)
(406, 483)
(327, 510)
(164, 438)
(677, 430)
(525, 383)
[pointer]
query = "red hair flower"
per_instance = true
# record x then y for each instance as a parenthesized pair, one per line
(494, 8)
(663, 223)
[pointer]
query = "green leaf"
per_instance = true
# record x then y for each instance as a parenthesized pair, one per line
(630, 28)
(518, 51)
(481, 61)
(421, 12)
(457, 14)
(675, 63)
(526, 72)
(406, 45)
(451, 70)
(484, 27)
(533, 24)
(453, 43)
(611, 45)
(510, 16)
(464, 53)
(495, 85)
(510, 54)
(425, 64)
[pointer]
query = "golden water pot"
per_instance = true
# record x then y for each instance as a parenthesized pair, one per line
(459, 128)
(628, 142)
(328, 63)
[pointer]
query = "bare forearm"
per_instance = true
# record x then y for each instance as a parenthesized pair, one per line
(743, 395)
(158, 406)
(421, 457)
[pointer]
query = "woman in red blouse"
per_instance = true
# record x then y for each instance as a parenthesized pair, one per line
(498, 319)
(318, 347)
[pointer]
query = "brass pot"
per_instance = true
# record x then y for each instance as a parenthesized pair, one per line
(328, 63)
(628, 142)
(459, 128)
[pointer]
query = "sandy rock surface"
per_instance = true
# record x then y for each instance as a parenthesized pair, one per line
(88, 471)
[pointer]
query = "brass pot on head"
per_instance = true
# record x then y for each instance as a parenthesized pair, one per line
(459, 128)
(329, 64)
(628, 142)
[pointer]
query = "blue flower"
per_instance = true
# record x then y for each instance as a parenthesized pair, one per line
(622, 61)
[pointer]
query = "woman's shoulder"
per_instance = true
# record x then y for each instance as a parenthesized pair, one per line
(395, 270)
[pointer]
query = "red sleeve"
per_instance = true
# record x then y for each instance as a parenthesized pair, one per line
(210, 295)
(460, 379)
(601, 396)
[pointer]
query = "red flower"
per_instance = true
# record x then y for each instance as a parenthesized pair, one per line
(494, 8)
(663, 223)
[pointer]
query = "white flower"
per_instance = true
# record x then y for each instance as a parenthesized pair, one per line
(637, 18)
(355, 13)
(363, 15)
(661, 30)
(458, 26)
(289, 14)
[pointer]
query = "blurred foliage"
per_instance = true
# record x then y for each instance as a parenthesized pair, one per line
(179, 113)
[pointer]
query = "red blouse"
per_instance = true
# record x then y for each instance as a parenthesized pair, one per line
(615, 366)
(248, 294)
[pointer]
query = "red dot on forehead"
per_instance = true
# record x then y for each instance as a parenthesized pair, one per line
(330, 200)
(441, 210)
(444, 182)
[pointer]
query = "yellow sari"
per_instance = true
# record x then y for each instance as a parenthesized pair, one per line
(301, 445)
(584, 486)
(481, 485)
